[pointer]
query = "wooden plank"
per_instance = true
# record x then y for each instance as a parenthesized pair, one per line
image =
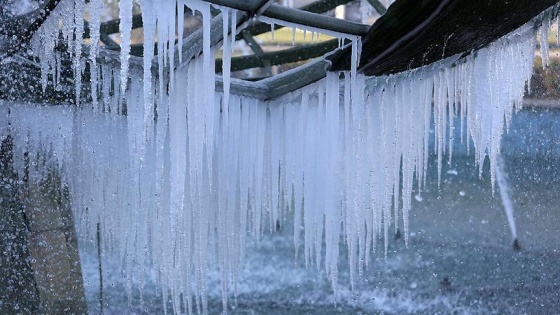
(315, 20)
(245, 5)
(315, 7)
(297, 78)
(305, 18)
(192, 45)
(295, 54)
(112, 27)
(258, 90)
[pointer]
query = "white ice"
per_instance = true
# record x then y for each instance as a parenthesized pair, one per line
(189, 171)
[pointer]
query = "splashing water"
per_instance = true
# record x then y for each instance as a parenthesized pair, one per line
(190, 170)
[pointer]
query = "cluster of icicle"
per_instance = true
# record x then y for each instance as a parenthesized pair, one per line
(177, 174)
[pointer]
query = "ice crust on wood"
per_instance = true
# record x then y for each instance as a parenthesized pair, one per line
(189, 171)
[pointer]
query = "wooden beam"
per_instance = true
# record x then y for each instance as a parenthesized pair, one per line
(378, 6)
(250, 41)
(257, 90)
(258, 52)
(315, 20)
(295, 54)
(245, 5)
(304, 18)
(192, 45)
(108, 41)
(112, 26)
(315, 7)
(297, 78)
(103, 37)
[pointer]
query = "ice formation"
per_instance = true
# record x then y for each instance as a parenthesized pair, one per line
(503, 186)
(178, 173)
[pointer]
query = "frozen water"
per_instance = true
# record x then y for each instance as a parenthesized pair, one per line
(503, 186)
(125, 28)
(181, 179)
(19, 7)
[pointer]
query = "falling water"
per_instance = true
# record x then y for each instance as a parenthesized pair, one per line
(190, 170)
(503, 186)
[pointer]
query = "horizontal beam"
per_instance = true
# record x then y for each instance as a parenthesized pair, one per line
(256, 90)
(112, 26)
(295, 54)
(304, 18)
(315, 7)
(193, 44)
(296, 78)
(315, 20)
(243, 5)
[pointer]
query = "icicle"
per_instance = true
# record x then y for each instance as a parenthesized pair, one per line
(125, 28)
(149, 27)
(95, 8)
(501, 178)
(558, 30)
(227, 50)
(544, 42)
(170, 43)
(208, 79)
(79, 6)
(356, 52)
(220, 164)
(180, 27)
(366, 10)
(178, 148)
